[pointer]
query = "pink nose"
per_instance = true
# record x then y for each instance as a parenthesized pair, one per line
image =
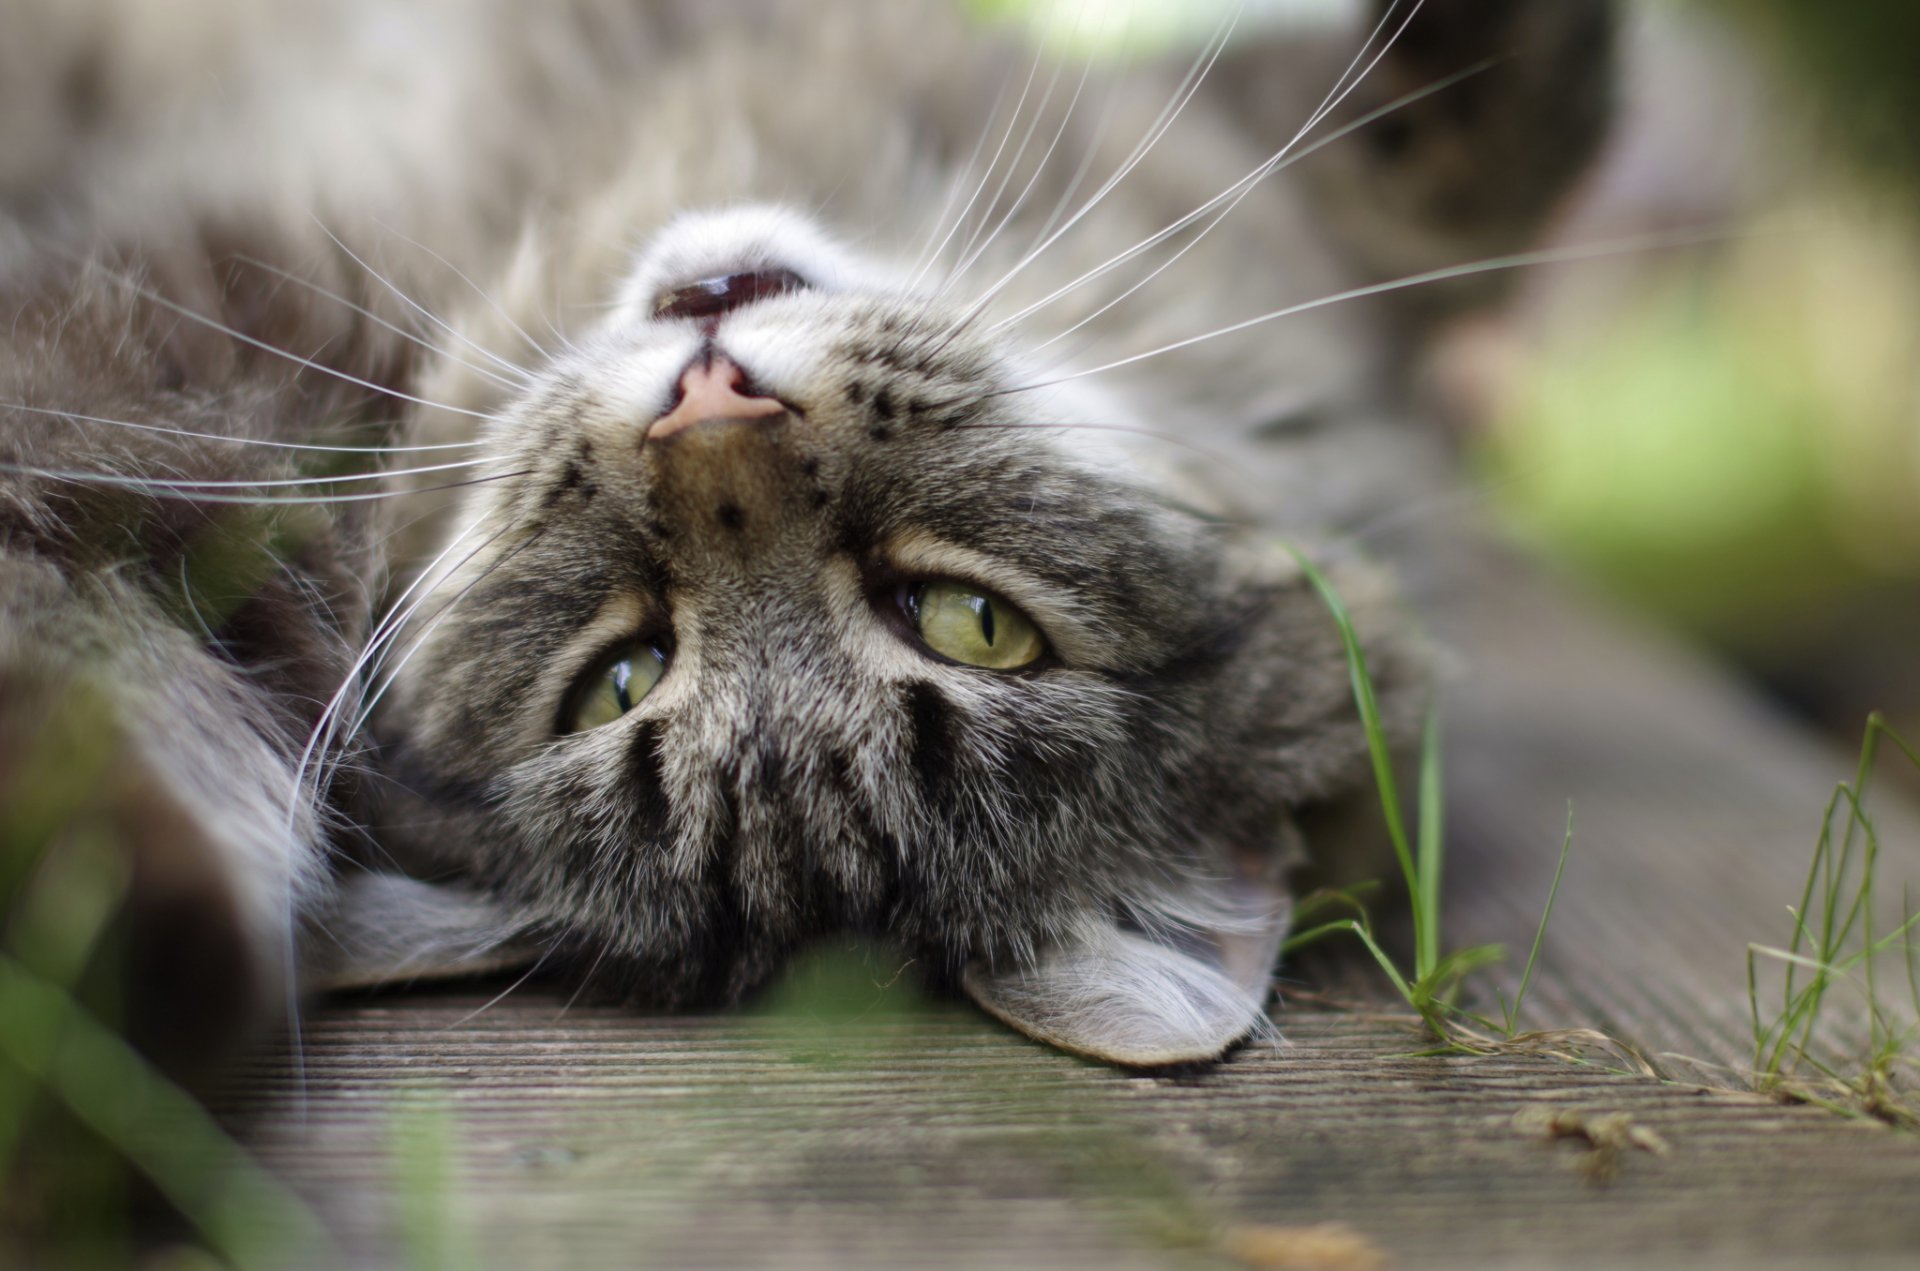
(710, 389)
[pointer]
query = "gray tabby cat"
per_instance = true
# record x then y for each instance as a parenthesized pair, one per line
(675, 482)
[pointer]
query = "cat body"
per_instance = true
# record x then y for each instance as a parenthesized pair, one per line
(773, 339)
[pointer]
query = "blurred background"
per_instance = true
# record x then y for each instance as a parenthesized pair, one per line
(1727, 437)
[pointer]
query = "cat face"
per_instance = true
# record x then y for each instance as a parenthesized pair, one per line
(796, 615)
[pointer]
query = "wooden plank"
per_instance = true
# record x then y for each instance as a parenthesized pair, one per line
(589, 1136)
(1697, 810)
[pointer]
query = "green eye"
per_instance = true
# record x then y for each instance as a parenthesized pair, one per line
(614, 687)
(974, 627)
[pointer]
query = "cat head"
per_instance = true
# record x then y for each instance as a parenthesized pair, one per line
(791, 609)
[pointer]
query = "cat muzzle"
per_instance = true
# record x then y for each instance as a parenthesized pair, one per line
(723, 460)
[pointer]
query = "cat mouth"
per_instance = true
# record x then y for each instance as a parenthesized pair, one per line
(709, 299)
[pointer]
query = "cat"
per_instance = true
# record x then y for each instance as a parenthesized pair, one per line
(650, 486)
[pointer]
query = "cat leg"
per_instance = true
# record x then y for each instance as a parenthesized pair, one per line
(1153, 987)
(144, 781)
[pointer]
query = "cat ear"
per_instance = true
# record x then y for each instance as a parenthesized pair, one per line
(1151, 992)
(388, 928)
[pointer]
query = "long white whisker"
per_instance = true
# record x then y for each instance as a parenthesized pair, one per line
(1518, 260)
(198, 493)
(1233, 194)
(392, 672)
(1091, 152)
(325, 729)
(1239, 191)
(968, 253)
(1032, 180)
(479, 291)
(1169, 115)
(421, 309)
(77, 417)
(1265, 170)
(1012, 122)
(323, 734)
(520, 377)
(153, 297)
(962, 177)
(191, 483)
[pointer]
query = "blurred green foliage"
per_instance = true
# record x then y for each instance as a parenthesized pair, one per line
(1859, 63)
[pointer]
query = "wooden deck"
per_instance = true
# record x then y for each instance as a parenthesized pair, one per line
(591, 1138)
(877, 1136)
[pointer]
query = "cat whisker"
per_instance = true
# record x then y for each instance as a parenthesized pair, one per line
(1090, 151)
(520, 377)
(1233, 196)
(1172, 439)
(1494, 264)
(392, 672)
(207, 492)
(155, 298)
(962, 177)
(992, 164)
(971, 253)
(321, 736)
(191, 483)
(593, 969)
(1236, 192)
(502, 995)
(76, 417)
(1184, 93)
(424, 312)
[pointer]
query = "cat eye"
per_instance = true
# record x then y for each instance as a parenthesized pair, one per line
(614, 686)
(971, 626)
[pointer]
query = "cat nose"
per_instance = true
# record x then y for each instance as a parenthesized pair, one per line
(713, 388)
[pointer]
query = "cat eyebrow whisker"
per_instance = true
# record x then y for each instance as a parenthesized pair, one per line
(326, 731)
(962, 176)
(1184, 93)
(77, 417)
(1494, 264)
(424, 312)
(380, 665)
(1091, 151)
(318, 759)
(520, 377)
(1234, 194)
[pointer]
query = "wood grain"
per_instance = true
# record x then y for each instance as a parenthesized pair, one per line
(593, 1137)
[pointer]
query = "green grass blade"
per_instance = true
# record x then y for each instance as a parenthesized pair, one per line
(245, 1214)
(1428, 862)
(1540, 932)
(1375, 730)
